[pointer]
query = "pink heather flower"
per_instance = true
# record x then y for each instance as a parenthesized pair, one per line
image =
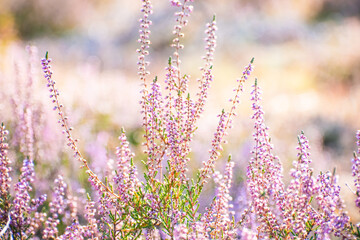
(174, 137)
(218, 218)
(57, 208)
(204, 86)
(216, 146)
(247, 234)
(91, 229)
(21, 203)
(155, 129)
(169, 106)
(5, 169)
(356, 170)
(104, 205)
(36, 222)
(63, 121)
(264, 171)
(175, 3)
(224, 124)
(296, 202)
(73, 232)
(71, 213)
(22, 215)
(197, 231)
(152, 234)
(332, 218)
(144, 40)
(170, 83)
(169, 125)
(126, 175)
(210, 41)
(176, 128)
(180, 232)
(176, 118)
(23, 206)
(302, 168)
(206, 78)
(181, 22)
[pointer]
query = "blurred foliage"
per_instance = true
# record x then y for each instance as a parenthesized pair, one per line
(35, 17)
(103, 122)
(135, 137)
(7, 26)
(334, 9)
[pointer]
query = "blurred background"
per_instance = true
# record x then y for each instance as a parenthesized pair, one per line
(307, 60)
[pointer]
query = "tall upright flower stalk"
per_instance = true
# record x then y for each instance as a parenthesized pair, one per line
(264, 173)
(218, 217)
(356, 169)
(63, 121)
(298, 211)
(144, 40)
(225, 123)
(5, 178)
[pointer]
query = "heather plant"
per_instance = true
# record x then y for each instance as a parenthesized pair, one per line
(165, 203)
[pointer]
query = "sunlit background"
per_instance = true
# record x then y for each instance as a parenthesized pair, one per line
(307, 61)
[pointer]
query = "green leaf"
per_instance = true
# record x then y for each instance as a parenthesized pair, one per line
(112, 217)
(88, 196)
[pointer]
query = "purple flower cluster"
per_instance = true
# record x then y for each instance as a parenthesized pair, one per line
(63, 121)
(225, 123)
(54, 95)
(181, 22)
(18, 209)
(126, 175)
(300, 191)
(23, 206)
(91, 230)
(57, 208)
(73, 232)
(333, 218)
(21, 201)
(155, 127)
(306, 206)
(264, 172)
(356, 169)
(142, 63)
(218, 217)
